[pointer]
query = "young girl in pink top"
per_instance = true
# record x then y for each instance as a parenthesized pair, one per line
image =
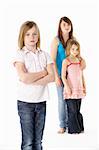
(74, 86)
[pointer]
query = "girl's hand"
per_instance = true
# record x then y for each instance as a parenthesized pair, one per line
(84, 91)
(44, 72)
(67, 91)
(58, 81)
(83, 64)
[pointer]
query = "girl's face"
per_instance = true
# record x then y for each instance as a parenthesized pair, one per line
(65, 27)
(74, 51)
(31, 37)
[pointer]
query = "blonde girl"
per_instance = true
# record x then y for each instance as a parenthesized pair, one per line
(34, 68)
(74, 86)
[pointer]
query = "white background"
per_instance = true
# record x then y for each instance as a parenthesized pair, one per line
(84, 15)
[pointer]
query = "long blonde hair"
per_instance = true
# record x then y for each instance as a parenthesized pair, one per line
(24, 28)
(69, 45)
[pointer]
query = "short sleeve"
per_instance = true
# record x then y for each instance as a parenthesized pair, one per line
(19, 57)
(48, 57)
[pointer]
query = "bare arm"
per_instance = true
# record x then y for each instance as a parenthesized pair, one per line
(83, 63)
(48, 78)
(84, 84)
(27, 77)
(65, 82)
(64, 67)
(54, 47)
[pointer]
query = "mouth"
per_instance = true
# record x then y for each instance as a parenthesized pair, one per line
(66, 29)
(32, 41)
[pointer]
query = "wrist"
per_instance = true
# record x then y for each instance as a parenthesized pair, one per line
(57, 77)
(44, 73)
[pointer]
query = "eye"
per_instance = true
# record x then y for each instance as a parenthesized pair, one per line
(27, 34)
(73, 49)
(77, 49)
(34, 34)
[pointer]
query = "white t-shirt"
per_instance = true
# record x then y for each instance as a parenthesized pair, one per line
(34, 62)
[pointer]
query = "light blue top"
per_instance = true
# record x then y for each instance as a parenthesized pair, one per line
(61, 55)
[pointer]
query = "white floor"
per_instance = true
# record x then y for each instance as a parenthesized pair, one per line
(10, 134)
(84, 141)
(54, 141)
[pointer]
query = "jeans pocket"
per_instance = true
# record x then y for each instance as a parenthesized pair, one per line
(22, 107)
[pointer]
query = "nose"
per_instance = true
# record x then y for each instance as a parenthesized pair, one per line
(32, 36)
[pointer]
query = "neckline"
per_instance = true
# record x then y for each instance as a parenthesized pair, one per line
(73, 60)
(30, 51)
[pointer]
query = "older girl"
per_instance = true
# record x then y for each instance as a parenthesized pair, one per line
(58, 54)
(34, 68)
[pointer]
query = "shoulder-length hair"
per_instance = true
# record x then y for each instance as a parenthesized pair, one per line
(67, 20)
(24, 28)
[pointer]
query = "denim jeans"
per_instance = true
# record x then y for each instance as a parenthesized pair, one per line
(32, 120)
(62, 108)
(75, 118)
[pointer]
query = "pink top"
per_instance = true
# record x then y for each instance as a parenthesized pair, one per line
(74, 79)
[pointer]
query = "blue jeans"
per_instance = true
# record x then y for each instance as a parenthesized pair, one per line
(62, 108)
(32, 120)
